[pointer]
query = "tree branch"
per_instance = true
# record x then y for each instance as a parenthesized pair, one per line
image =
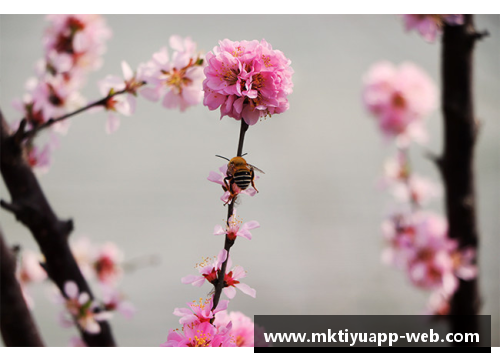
(460, 131)
(31, 208)
(33, 132)
(16, 323)
(228, 243)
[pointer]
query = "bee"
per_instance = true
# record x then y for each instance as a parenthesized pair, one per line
(241, 173)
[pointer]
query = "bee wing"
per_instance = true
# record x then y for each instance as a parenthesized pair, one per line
(256, 168)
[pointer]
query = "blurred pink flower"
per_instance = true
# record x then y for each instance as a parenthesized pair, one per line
(417, 189)
(201, 335)
(53, 97)
(242, 327)
(179, 79)
(124, 103)
(247, 80)
(430, 25)
(419, 244)
(73, 46)
(29, 269)
(82, 309)
(39, 159)
(79, 38)
(199, 312)
(219, 179)
(235, 229)
(113, 300)
(107, 263)
(438, 304)
(399, 98)
(464, 263)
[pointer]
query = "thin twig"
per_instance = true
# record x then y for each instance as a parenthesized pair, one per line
(101, 102)
(228, 243)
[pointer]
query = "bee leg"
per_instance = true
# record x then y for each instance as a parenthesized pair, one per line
(229, 188)
(252, 174)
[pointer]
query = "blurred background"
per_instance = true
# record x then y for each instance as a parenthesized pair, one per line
(319, 245)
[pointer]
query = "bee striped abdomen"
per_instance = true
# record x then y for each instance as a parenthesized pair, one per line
(242, 179)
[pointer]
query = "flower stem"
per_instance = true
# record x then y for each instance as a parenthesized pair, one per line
(228, 243)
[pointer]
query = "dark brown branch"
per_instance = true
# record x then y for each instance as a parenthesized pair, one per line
(31, 208)
(228, 243)
(17, 326)
(457, 169)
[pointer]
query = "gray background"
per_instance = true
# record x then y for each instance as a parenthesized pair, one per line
(318, 248)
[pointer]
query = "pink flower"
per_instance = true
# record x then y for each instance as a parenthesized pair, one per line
(208, 270)
(82, 310)
(40, 158)
(242, 327)
(219, 179)
(107, 263)
(464, 263)
(235, 229)
(52, 97)
(247, 80)
(29, 269)
(399, 98)
(416, 189)
(430, 25)
(438, 304)
(200, 335)
(79, 38)
(123, 103)
(199, 312)
(211, 271)
(177, 80)
(114, 300)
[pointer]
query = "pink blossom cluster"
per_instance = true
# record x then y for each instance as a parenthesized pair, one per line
(197, 329)
(104, 264)
(430, 25)
(400, 98)
(176, 80)
(204, 326)
(419, 245)
(247, 80)
(73, 46)
(97, 262)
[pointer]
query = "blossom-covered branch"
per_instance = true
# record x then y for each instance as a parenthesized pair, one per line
(249, 81)
(99, 103)
(16, 323)
(229, 239)
(30, 206)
